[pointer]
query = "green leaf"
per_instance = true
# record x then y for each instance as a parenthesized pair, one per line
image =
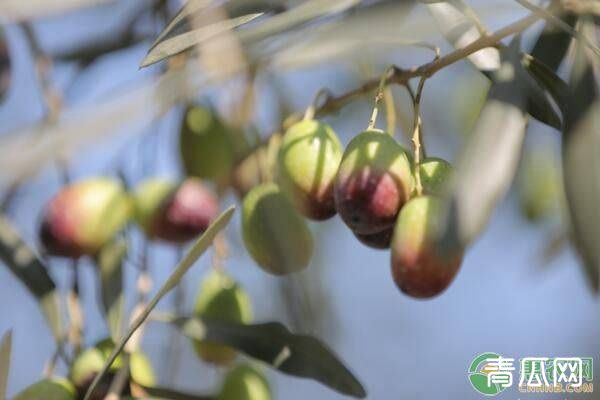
(272, 343)
(188, 9)
(581, 163)
(234, 9)
(285, 21)
(457, 25)
(303, 13)
(110, 261)
(548, 79)
(552, 44)
(488, 164)
(197, 249)
(31, 271)
(187, 40)
(5, 350)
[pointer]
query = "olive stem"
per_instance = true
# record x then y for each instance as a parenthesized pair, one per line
(416, 138)
(379, 95)
(402, 76)
(309, 114)
(390, 111)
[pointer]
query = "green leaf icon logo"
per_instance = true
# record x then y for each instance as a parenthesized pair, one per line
(479, 377)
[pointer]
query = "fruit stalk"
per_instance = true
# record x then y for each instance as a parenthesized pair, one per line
(416, 138)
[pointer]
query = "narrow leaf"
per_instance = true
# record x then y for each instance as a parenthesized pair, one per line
(31, 271)
(460, 30)
(189, 8)
(548, 79)
(184, 41)
(488, 164)
(303, 13)
(272, 343)
(552, 45)
(110, 262)
(5, 350)
(581, 164)
(197, 249)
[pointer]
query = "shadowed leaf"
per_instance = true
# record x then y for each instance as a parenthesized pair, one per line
(110, 262)
(272, 343)
(31, 271)
(196, 250)
(460, 30)
(489, 160)
(285, 21)
(581, 163)
(5, 350)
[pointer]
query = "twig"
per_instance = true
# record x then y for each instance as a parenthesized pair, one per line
(416, 138)
(553, 19)
(401, 76)
(120, 380)
(390, 111)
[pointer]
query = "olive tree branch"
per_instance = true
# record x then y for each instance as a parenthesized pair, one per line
(554, 20)
(402, 76)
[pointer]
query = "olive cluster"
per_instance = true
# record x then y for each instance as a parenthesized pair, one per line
(371, 185)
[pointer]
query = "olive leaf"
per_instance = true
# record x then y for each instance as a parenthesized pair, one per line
(460, 30)
(234, 9)
(285, 21)
(184, 41)
(18, 10)
(552, 45)
(5, 350)
(548, 79)
(271, 342)
(31, 271)
(110, 261)
(489, 160)
(196, 250)
(581, 162)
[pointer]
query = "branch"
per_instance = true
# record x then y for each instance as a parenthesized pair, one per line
(401, 76)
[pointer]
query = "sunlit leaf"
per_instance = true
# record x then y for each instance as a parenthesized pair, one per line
(18, 10)
(488, 164)
(460, 30)
(581, 163)
(272, 343)
(110, 261)
(287, 20)
(31, 271)
(5, 351)
(303, 13)
(179, 43)
(234, 9)
(197, 249)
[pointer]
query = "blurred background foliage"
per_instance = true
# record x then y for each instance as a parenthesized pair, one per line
(103, 88)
